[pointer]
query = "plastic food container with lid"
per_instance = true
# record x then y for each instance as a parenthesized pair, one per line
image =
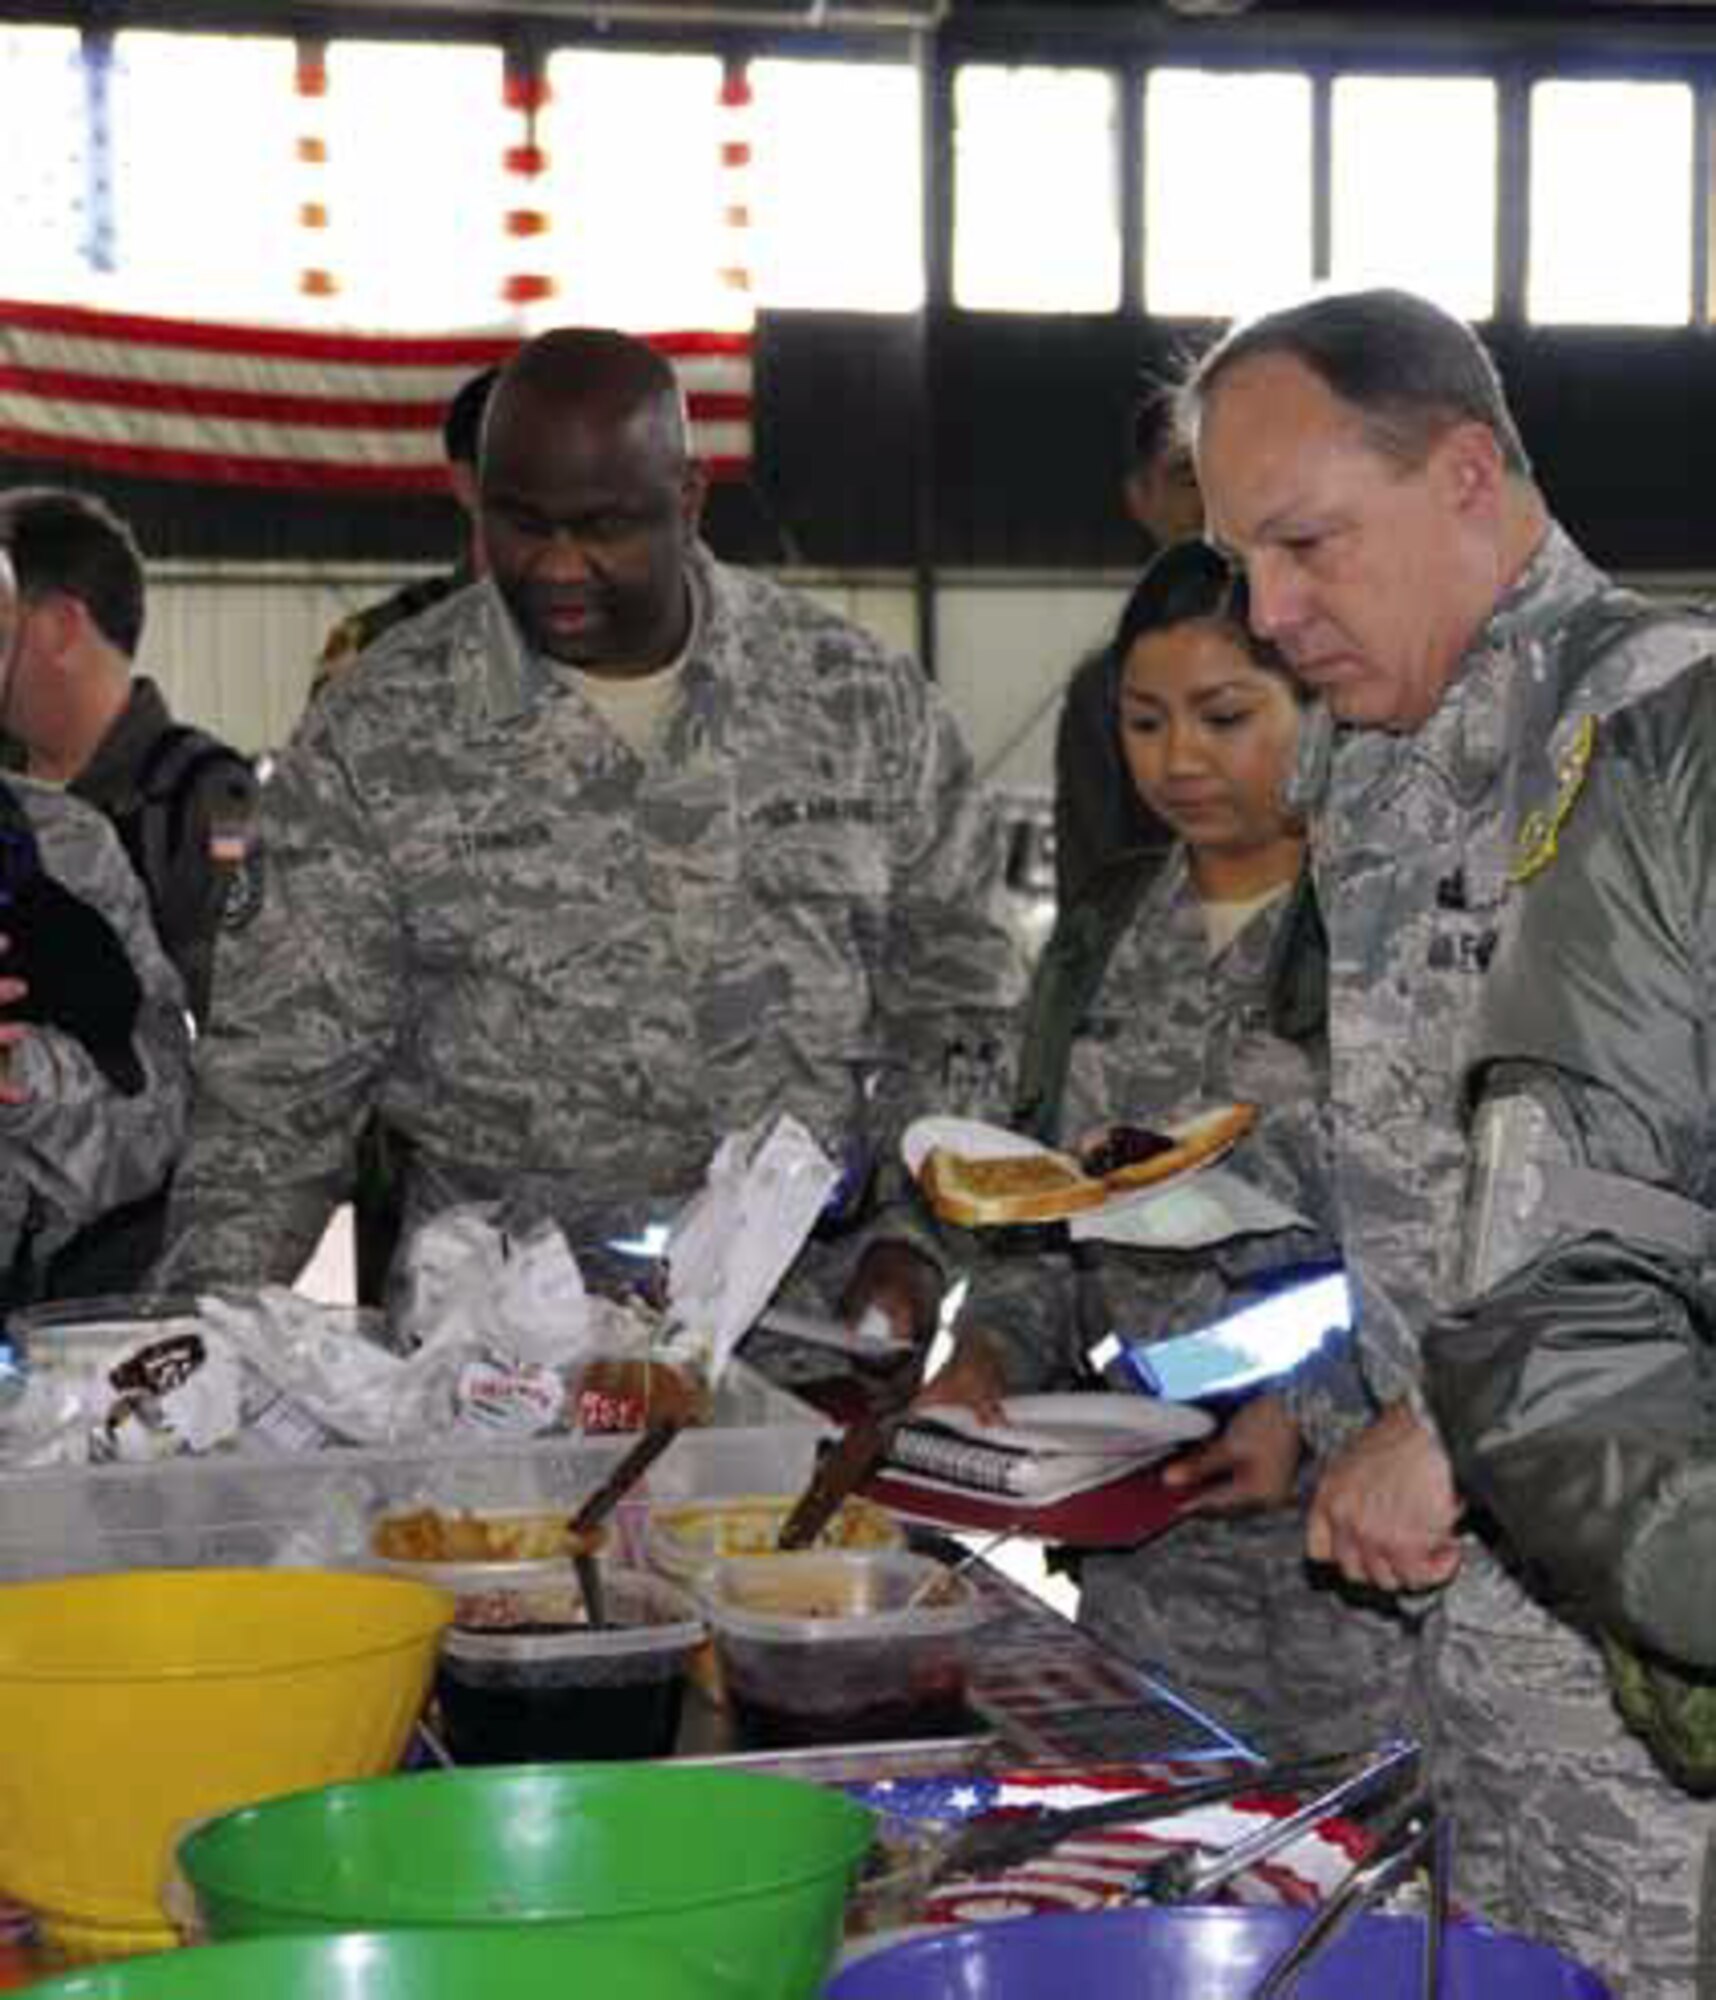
(686, 1537)
(523, 1679)
(821, 1647)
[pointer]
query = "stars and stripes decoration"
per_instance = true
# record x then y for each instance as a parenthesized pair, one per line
(288, 407)
(1092, 1870)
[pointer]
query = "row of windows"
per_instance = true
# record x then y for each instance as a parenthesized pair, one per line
(171, 177)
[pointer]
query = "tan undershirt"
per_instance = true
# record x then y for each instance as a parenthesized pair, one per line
(636, 709)
(1223, 922)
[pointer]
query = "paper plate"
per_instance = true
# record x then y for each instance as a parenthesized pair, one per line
(1201, 1139)
(1090, 1423)
(969, 1136)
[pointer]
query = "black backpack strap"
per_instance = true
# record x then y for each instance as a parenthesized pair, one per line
(1067, 976)
(152, 827)
(1298, 974)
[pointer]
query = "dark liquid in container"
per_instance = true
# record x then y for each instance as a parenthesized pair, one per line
(521, 1724)
(766, 1725)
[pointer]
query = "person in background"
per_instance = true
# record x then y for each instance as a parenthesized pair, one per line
(95, 1073)
(1358, 460)
(1098, 811)
(613, 854)
(461, 433)
(380, 1165)
(1221, 938)
(181, 800)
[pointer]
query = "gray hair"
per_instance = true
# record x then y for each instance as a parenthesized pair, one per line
(1411, 370)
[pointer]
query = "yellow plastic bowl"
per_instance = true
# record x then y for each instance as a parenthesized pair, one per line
(131, 1704)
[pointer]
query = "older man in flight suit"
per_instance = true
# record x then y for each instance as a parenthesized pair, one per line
(615, 852)
(1357, 457)
(1575, 1391)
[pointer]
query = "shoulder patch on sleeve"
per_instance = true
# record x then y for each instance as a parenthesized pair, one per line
(1540, 832)
(244, 876)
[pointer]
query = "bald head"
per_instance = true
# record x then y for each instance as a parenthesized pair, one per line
(595, 379)
(589, 500)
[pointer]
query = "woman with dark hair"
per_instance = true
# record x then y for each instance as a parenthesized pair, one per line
(1158, 993)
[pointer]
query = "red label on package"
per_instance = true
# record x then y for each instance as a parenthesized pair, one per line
(520, 1400)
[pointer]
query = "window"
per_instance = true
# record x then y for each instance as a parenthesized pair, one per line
(45, 247)
(634, 180)
(837, 186)
(1036, 221)
(1611, 247)
(1414, 187)
(415, 185)
(204, 186)
(1227, 191)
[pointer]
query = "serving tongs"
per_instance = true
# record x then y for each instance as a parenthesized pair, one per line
(843, 1468)
(1185, 1877)
(989, 1847)
(654, 1440)
(986, 1847)
(1415, 1834)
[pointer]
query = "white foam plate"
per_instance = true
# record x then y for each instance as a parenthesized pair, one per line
(978, 1141)
(967, 1136)
(1091, 1423)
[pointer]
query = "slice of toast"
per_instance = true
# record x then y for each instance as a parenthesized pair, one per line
(1031, 1187)
(1049, 1187)
(1195, 1140)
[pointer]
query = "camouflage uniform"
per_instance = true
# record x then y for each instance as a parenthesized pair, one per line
(80, 1146)
(1414, 839)
(564, 972)
(370, 623)
(1223, 1608)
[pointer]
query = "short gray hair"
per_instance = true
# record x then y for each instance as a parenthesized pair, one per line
(1411, 370)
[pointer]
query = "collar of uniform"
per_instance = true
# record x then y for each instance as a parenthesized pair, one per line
(1308, 781)
(1467, 738)
(1505, 692)
(717, 653)
(1501, 680)
(501, 677)
(1558, 574)
(512, 679)
(106, 779)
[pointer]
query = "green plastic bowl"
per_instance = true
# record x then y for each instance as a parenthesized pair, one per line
(743, 1874)
(544, 1964)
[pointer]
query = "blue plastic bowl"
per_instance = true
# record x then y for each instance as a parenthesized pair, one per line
(1205, 1954)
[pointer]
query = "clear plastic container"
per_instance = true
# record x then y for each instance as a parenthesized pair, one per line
(497, 1593)
(685, 1537)
(820, 1647)
(245, 1508)
(533, 1683)
(424, 1541)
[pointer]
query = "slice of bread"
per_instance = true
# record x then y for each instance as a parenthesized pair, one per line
(1050, 1187)
(1032, 1187)
(1195, 1140)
